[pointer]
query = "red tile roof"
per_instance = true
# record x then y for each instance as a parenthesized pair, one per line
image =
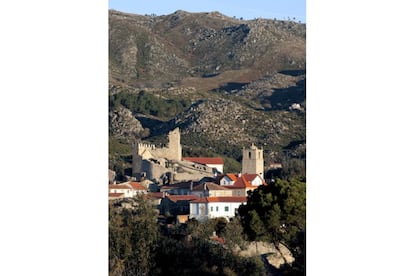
(176, 198)
(116, 194)
(205, 160)
(119, 186)
(244, 181)
(218, 240)
(232, 176)
(155, 195)
(251, 176)
(221, 199)
(137, 186)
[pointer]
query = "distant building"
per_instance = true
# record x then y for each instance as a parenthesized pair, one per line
(181, 188)
(241, 184)
(111, 176)
(126, 189)
(174, 205)
(253, 162)
(212, 162)
(210, 189)
(215, 207)
(165, 164)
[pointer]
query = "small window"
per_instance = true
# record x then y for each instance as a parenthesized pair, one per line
(211, 208)
(226, 208)
(216, 208)
(250, 155)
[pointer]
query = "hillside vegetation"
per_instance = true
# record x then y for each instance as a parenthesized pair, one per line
(225, 82)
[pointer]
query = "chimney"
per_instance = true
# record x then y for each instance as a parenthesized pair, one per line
(239, 175)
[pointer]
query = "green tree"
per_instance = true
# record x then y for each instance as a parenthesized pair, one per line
(133, 238)
(233, 234)
(277, 213)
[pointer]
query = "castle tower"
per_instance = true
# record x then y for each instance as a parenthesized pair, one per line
(136, 161)
(253, 161)
(174, 145)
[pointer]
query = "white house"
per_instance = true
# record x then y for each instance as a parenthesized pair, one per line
(241, 184)
(214, 207)
(228, 179)
(128, 189)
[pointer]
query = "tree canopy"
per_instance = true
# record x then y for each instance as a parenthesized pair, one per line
(277, 213)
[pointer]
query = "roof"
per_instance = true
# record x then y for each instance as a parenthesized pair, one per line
(209, 186)
(252, 176)
(176, 198)
(232, 176)
(205, 160)
(119, 186)
(181, 185)
(218, 240)
(241, 183)
(221, 199)
(137, 186)
(155, 195)
(116, 194)
(127, 186)
(244, 181)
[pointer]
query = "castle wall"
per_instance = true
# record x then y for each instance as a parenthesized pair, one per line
(152, 160)
(153, 170)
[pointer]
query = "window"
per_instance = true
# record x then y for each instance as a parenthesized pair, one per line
(226, 208)
(216, 208)
(211, 208)
(250, 155)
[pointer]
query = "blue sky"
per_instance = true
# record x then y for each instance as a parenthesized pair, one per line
(280, 9)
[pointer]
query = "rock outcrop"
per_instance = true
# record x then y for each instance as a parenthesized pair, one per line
(122, 124)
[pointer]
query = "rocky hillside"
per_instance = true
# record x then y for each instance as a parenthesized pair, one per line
(124, 125)
(157, 50)
(225, 82)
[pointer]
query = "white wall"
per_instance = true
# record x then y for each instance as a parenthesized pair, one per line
(226, 181)
(257, 181)
(126, 192)
(218, 167)
(213, 209)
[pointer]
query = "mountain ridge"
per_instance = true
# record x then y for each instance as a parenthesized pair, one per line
(225, 82)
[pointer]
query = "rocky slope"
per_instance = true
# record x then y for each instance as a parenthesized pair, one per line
(225, 82)
(124, 125)
(154, 50)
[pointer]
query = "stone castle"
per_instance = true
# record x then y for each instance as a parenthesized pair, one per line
(165, 164)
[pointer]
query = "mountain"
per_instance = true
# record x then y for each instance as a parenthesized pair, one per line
(225, 82)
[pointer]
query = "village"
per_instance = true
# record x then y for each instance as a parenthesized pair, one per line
(186, 188)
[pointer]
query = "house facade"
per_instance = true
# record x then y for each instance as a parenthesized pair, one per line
(210, 189)
(241, 184)
(126, 189)
(174, 205)
(215, 207)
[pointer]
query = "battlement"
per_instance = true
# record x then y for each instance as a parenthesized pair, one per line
(145, 146)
